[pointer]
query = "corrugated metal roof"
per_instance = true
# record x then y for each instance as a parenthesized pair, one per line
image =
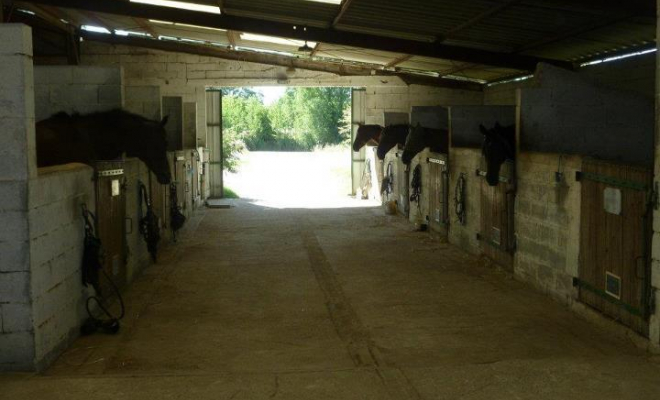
(554, 29)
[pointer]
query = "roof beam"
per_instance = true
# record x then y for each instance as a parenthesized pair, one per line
(231, 35)
(398, 61)
(273, 59)
(315, 50)
(145, 27)
(342, 10)
(325, 35)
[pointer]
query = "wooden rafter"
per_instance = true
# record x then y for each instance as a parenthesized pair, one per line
(342, 10)
(231, 35)
(315, 50)
(398, 61)
(273, 59)
(316, 34)
(145, 27)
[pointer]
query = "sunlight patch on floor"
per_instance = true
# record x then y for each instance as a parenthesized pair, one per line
(319, 179)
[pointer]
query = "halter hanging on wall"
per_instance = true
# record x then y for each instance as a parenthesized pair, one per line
(149, 223)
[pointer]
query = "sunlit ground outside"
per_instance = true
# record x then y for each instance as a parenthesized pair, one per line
(317, 179)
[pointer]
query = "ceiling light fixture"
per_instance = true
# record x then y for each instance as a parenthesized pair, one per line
(272, 39)
(181, 5)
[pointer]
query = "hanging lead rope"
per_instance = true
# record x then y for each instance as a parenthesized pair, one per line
(388, 180)
(92, 263)
(416, 184)
(177, 219)
(459, 199)
(149, 224)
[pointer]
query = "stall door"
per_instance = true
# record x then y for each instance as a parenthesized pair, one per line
(183, 181)
(111, 215)
(615, 232)
(497, 236)
(402, 182)
(439, 191)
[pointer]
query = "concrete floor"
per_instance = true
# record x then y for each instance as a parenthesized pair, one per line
(262, 303)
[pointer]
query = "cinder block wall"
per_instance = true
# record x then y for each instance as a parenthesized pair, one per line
(81, 89)
(144, 101)
(56, 247)
(381, 99)
(465, 161)
(547, 223)
(17, 167)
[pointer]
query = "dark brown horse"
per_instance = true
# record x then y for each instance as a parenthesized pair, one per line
(499, 146)
(65, 138)
(437, 140)
(367, 134)
(392, 135)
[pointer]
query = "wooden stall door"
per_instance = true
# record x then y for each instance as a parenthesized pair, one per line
(111, 215)
(181, 181)
(439, 191)
(614, 270)
(497, 236)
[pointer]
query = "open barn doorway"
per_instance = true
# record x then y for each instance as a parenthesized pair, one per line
(287, 147)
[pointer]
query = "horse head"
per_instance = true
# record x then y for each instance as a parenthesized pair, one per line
(367, 134)
(415, 142)
(498, 147)
(150, 146)
(391, 136)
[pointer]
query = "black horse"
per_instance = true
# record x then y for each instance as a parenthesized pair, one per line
(65, 138)
(420, 138)
(392, 135)
(499, 146)
(367, 134)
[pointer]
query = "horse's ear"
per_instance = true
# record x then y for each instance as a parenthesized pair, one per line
(164, 121)
(497, 125)
(483, 130)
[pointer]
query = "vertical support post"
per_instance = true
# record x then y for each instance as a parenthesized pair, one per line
(17, 168)
(654, 322)
(214, 128)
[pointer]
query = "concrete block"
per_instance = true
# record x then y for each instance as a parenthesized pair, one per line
(13, 196)
(53, 75)
(14, 256)
(17, 352)
(97, 75)
(15, 226)
(142, 93)
(15, 287)
(16, 318)
(15, 39)
(110, 95)
(51, 217)
(17, 72)
(16, 102)
(74, 95)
